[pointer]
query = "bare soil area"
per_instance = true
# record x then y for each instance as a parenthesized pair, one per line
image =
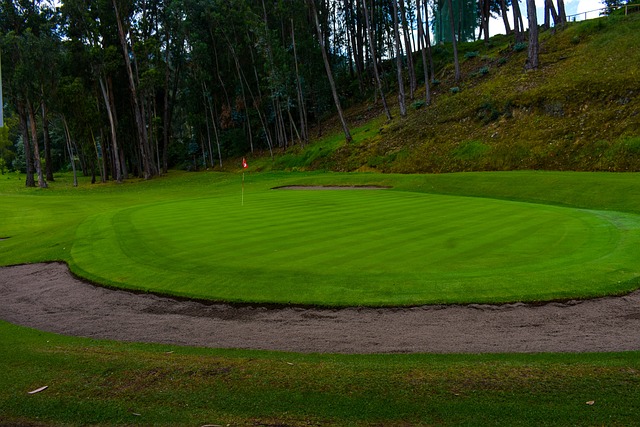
(49, 298)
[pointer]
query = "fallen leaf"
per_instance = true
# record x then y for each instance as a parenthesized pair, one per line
(591, 402)
(38, 390)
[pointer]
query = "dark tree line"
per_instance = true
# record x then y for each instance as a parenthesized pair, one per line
(115, 88)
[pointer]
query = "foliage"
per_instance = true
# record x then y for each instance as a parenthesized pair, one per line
(465, 20)
(519, 47)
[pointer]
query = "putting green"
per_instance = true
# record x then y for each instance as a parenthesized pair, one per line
(359, 248)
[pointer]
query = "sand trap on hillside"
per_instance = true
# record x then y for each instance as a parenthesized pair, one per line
(48, 297)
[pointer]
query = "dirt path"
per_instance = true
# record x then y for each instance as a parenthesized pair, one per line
(48, 297)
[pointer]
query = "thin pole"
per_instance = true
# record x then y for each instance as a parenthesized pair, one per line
(1, 100)
(242, 188)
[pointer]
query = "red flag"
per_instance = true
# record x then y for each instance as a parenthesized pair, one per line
(244, 163)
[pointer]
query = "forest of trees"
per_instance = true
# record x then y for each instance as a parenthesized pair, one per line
(133, 88)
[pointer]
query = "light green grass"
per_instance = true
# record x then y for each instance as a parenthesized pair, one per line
(106, 383)
(190, 235)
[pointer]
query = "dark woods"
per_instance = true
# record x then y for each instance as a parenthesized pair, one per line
(114, 89)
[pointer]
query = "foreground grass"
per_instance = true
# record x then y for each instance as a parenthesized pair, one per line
(108, 383)
(190, 235)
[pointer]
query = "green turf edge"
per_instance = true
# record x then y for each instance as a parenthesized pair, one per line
(93, 382)
(608, 191)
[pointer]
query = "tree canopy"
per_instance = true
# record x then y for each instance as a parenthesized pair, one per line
(131, 88)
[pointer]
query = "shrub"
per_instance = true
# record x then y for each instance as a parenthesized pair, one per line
(454, 90)
(631, 145)
(483, 71)
(470, 150)
(472, 54)
(418, 104)
(520, 46)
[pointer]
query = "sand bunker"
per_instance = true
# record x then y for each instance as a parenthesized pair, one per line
(49, 298)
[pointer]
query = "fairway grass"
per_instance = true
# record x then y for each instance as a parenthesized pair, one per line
(106, 383)
(192, 235)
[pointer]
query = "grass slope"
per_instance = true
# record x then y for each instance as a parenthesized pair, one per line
(189, 235)
(579, 111)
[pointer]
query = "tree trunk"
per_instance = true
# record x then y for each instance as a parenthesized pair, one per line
(143, 143)
(518, 24)
(36, 149)
(67, 135)
(408, 51)
(28, 158)
(532, 59)
(423, 51)
(47, 142)
(300, 96)
(112, 127)
(486, 13)
(505, 18)
(562, 13)
(327, 67)
(396, 36)
(550, 9)
(454, 42)
(374, 61)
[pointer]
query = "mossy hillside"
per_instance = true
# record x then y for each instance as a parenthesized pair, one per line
(579, 111)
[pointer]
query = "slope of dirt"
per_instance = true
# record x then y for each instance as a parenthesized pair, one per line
(48, 297)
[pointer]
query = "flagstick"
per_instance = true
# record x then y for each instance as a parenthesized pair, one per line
(242, 188)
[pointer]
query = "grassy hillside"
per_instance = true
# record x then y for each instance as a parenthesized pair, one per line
(579, 111)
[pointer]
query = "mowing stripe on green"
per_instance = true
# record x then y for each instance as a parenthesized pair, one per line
(359, 248)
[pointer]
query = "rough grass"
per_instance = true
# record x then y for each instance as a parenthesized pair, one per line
(106, 383)
(578, 111)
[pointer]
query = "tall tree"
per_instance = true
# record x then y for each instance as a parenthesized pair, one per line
(454, 42)
(518, 24)
(397, 46)
(533, 51)
(374, 60)
(327, 67)
(148, 166)
(424, 44)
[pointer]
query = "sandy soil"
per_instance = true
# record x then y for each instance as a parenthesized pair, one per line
(49, 298)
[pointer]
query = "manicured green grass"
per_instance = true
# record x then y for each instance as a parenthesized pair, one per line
(108, 383)
(190, 235)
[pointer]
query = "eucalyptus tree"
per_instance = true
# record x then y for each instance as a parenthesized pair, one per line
(374, 61)
(398, 55)
(92, 46)
(518, 24)
(424, 45)
(454, 42)
(327, 66)
(533, 48)
(22, 23)
(123, 25)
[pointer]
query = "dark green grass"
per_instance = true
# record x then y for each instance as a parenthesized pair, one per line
(107, 383)
(190, 235)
